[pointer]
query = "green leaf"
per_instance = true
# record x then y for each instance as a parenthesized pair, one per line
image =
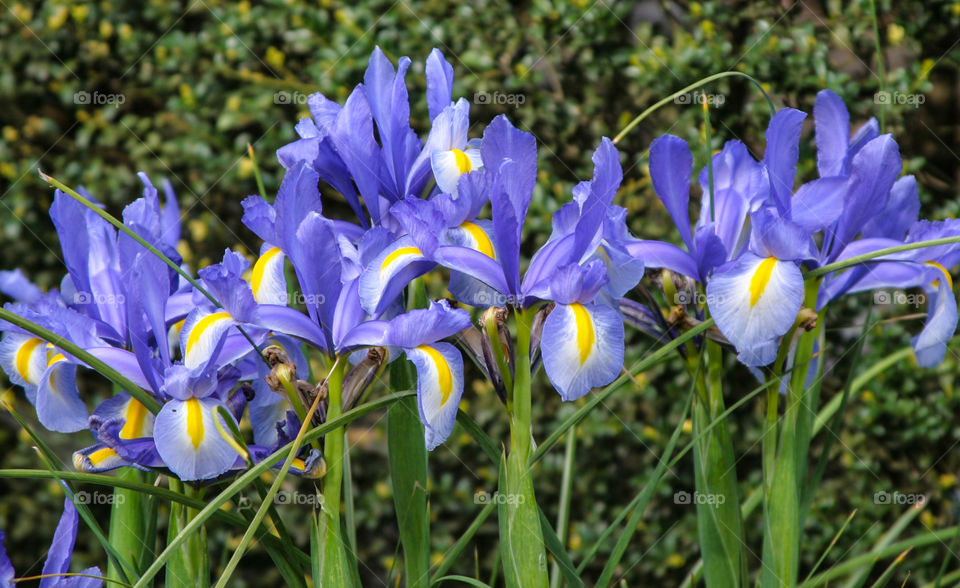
(408, 475)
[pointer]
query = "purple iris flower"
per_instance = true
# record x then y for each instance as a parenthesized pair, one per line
(58, 557)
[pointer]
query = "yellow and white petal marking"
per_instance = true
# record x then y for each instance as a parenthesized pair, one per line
(480, 240)
(139, 421)
(582, 347)
(754, 301)
(376, 277)
(200, 335)
(449, 165)
(24, 358)
(188, 442)
(97, 459)
(439, 388)
(946, 273)
(267, 280)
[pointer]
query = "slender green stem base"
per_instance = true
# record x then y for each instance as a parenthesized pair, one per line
(335, 562)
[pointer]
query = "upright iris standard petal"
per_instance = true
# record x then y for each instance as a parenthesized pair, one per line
(671, 165)
(439, 388)
(188, 441)
(832, 127)
(267, 280)
(582, 347)
(439, 83)
(782, 154)
(755, 300)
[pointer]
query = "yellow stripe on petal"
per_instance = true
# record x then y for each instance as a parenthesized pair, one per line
(201, 326)
(444, 377)
(256, 277)
(136, 414)
(484, 245)
(194, 421)
(760, 279)
(463, 162)
(101, 455)
(23, 357)
(585, 333)
(56, 359)
(945, 272)
(398, 253)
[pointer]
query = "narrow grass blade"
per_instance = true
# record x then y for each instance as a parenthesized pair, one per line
(563, 509)
(451, 555)
(408, 475)
(829, 548)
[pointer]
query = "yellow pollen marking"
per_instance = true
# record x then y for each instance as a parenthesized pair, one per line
(201, 326)
(133, 428)
(56, 358)
(194, 421)
(101, 455)
(298, 463)
(945, 272)
(585, 333)
(444, 377)
(484, 245)
(256, 278)
(399, 253)
(758, 283)
(463, 162)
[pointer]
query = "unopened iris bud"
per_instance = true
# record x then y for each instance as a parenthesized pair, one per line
(498, 355)
(536, 332)
(365, 373)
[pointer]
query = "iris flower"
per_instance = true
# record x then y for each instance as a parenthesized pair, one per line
(57, 566)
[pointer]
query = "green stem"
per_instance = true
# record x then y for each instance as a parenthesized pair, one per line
(128, 524)
(563, 512)
(522, 548)
(859, 259)
(881, 69)
(335, 568)
(691, 87)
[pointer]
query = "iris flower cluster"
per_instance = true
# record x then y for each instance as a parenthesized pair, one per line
(457, 204)
(757, 235)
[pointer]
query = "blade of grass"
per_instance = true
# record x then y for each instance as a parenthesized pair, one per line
(451, 555)
(563, 509)
(407, 455)
(886, 540)
(833, 542)
(888, 573)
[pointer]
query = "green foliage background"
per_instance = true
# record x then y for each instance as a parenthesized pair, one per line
(201, 79)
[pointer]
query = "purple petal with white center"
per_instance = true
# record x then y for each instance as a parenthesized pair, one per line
(582, 347)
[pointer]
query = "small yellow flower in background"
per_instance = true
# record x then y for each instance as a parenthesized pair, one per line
(947, 480)
(929, 519)
(10, 134)
(198, 230)
(708, 28)
(243, 7)
(79, 12)
(7, 398)
(22, 13)
(8, 170)
(126, 31)
(245, 168)
(382, 489)
(186, 93)
(676, 560)
(651, 433)
(58, 18)
(687, 427)
(274, 57)
(436, 558)
(895, 33)
(869, 397)
(574, 542)
(106, 29)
